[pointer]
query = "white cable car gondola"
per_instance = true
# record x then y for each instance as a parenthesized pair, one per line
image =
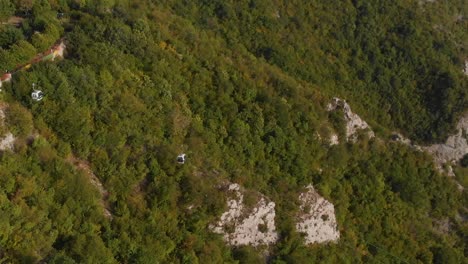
(181, 158)
(36, 95)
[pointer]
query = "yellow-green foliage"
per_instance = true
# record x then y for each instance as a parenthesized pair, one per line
(240, 87)
(21, 52)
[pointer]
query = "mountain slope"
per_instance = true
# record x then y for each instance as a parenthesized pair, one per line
(142, 82)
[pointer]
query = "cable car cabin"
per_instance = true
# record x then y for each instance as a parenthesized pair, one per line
(37, 95)
(181, 159)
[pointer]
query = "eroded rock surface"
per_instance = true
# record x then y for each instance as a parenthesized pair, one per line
(334, 140)
(316, 218)
(454, 148)
(448, 153)
(466, 68)
(397, 137)
(240, 225)
(354, 123)
(7, 140)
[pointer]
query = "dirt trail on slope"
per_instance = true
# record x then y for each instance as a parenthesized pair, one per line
(57, 50)
(94, 180)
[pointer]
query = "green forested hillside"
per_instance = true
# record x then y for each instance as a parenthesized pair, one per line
(399, 61)
(241, 87)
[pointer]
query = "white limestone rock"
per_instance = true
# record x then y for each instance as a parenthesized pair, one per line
(334, 140)
(253, 227)
(354, 123)
(397, 137)
(454, 148)
(466, 68)
(8, 142)
(316, 218)
(448, 153)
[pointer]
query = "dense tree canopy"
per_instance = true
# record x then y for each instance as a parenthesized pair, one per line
(241, 87)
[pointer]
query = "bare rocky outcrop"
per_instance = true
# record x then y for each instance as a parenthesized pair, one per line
(442, 226)
(454, 148)
(240, 225)
(448, 153)
(334, 140)
(7, 141)
(316, 218)
(354, 123)
(465, 71)
(397, 137)
(3, 107)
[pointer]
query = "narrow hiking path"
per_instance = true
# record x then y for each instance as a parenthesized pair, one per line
(56, 51)
(84, 166)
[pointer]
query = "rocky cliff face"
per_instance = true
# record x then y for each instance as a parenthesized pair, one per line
(354, 123)
(7, 140)
(255, 226)
(448, 153)
(454, 148)
(240, 225)
(466, 68)
(316, 218)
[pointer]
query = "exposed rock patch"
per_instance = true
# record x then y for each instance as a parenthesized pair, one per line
(443, 226)
(397, 137)
(354, 123)
(448, 153)
(2, 114)
(454, 148)
(317, 218)
(465, 71)
(334, 140)
(240, 225)
(7, 141)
